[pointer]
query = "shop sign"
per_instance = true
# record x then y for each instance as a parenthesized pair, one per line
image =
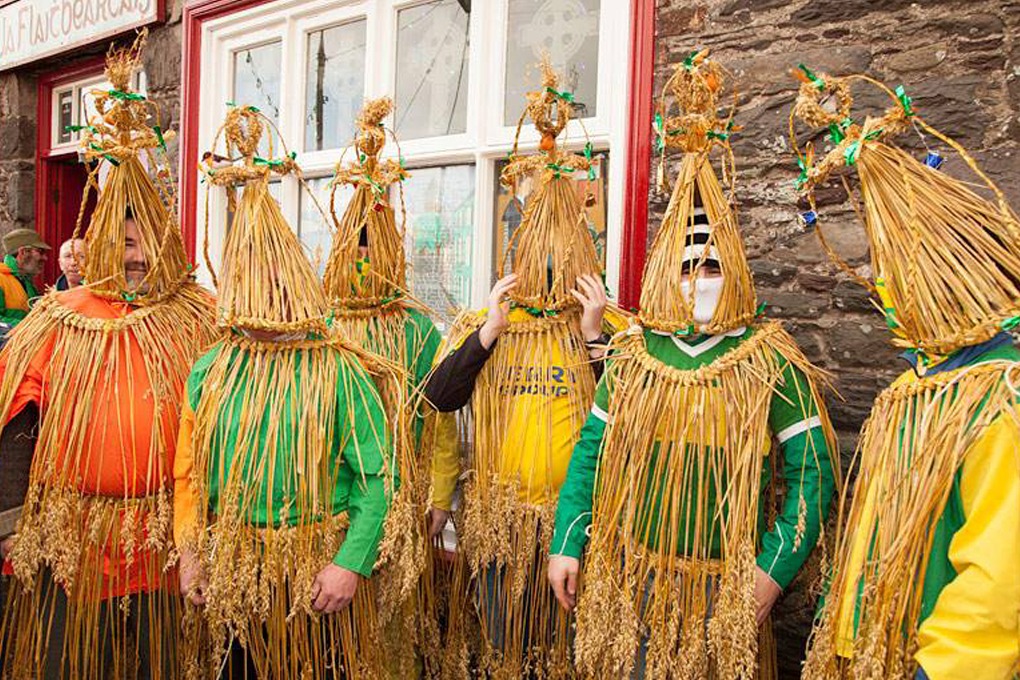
(34, 29)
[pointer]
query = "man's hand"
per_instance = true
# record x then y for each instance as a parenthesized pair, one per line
(192, 578)
(333, 589)
(563, 572)
(497, 319)
(766, 592)
(592, 296)
(6, 546)
(437, 520)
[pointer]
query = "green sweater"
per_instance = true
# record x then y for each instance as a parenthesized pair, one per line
(9, 315)
(422, 342)
(794, 420)
(356, 454)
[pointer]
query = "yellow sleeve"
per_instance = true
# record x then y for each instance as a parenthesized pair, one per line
(445, 461)
(185, 498)
(974, 630)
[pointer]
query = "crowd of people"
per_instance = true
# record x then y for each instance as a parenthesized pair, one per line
(262, 484)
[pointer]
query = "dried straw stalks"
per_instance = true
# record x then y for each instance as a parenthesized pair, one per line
(373, 310)
(291, 405)
(675, 521)
(504, 534)
(948, 264)
(110, 390)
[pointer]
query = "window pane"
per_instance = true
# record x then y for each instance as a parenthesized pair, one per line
(432, 69)
(569, 31)
(315, 235)
(510, 210)
(65, 102)
(334, 85)
(257, 83)
(440, 208)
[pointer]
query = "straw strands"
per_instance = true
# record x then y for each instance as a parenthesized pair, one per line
(279, 412)
(698, 128)
(109, 376)
(910, 450)
(524, 430)
(283, 413)
(268, 284)
(947, 268)
(949, 258)
(680, 438)
(371, 305)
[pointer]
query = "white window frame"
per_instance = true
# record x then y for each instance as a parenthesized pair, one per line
(485, 140)
(77, 88)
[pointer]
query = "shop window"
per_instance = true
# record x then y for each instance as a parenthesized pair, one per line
(566, 30)
(440, 205)
(334, 84)
(432, 69)
(74, 105)
(458, 72)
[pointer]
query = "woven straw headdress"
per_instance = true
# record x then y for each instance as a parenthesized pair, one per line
(126, 130)
(697, 129)
(946, 260)
(368, 217)
(267, 281)
(553, 246)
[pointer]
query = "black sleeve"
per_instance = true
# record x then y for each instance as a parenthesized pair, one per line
(450, 386)
(599, 366)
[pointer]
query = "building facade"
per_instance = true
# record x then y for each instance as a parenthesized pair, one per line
(458, 69)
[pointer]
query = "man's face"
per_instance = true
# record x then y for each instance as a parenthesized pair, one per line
(135, 267)
(705, 272)
(72, 260)
(31, 260)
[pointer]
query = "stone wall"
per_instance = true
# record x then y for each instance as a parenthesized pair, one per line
(960, 61)
(18, 101)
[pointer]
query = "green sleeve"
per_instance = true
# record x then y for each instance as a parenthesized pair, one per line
(423, 343)
(808, 475)
(573, 509)
(193, 387)
(363, 452)
(577, 495)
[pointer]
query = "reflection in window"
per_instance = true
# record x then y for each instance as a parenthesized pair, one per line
(440, 208)
(334, 85)
(510, 210)
(65, 116)
(257, 83)
(432, 68)
(569, 31)
(315, 235)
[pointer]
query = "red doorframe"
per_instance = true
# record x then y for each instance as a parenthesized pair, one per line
(46, 162)
(196, 13)
(639, 151)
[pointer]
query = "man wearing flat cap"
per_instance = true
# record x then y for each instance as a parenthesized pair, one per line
(24, 259)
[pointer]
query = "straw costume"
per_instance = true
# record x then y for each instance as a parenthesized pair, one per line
(671, 477)
(284, 459)
(366, 285)
(925, 580)
(528, 396)
(106, 364)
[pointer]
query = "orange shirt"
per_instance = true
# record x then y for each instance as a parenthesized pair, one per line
(113, 454)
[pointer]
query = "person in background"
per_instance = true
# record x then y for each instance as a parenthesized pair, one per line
(71, 259)
(25, 256)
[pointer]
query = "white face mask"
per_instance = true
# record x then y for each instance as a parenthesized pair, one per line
(707, 292)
